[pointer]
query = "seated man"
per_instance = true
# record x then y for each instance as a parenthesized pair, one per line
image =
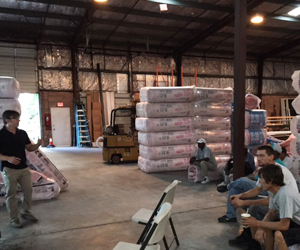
(249, 168)
(285, 202)
(205, 159)
(244, 189)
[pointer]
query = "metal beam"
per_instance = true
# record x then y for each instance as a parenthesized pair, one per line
(196, 5)
(214, 28)
(239, 88)
(281, 48)
(260, 72)
(178, 61)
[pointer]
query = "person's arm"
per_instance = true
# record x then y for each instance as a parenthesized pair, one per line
(239, 199)
(32, 147)
(11, 159)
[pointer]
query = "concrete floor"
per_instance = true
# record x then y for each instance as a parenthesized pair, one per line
(95, 211)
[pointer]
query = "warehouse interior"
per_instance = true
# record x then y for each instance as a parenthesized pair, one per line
(66, 53)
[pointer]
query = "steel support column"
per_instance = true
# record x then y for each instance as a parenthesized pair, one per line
(101, 93)
(260, 72)
(130, 75)
(178, 61)
(75, 73)
(239, 87)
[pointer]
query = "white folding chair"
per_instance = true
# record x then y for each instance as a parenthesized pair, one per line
(155, 233)
(145, 216)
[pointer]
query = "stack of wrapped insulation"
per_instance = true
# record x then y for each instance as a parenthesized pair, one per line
(9, 94)
(166, 138)
(211, 121)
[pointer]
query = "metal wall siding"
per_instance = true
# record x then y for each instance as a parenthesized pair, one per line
(20, 63)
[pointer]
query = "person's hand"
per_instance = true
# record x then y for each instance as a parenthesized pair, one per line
(250, 222)
(192, 160)
(234, 196)
(39, 142)
(13, 160)
(238, 202)
(260, 235)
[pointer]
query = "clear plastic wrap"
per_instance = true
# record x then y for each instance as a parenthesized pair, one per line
(213, 94)
(167, 138)
(256, 118)
(214, 135)
(163, 124)
(163, 152)
(208, 108)
(255, 137)
(9, 87)
(210, 122)
(220, 148)
(9, 104)
(145, 109)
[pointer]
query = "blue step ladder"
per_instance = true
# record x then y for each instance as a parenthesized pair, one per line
(82, 127)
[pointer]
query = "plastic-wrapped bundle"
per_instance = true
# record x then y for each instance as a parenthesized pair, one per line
(194, 174)
(166, 152)
(167, 138)
(222, 159)
(9, 87)
(145, 109)
(295, 147)
(222, 95)
(296, 80)
(208, 108)
(165, 165)
(296, 104)
(255, 137)
(252, 101)
(295, 125)
(9, 104)
(167, 94)
(210, 122)
(220, 148)
(163, 124)
(214, 135)
(256, 118)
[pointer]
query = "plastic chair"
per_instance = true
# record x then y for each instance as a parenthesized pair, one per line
(145, 216)
(155, 233)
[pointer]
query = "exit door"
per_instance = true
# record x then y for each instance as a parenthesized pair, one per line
(61, 126)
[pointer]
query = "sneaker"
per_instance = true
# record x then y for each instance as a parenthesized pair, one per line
(224, 219)
(222, 189)
(29, 217)
(205, 181)
(16, 223)
(222, 184)
(243, 238)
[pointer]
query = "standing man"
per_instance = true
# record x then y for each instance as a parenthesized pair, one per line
(285, 202)
(13, 142)
(205, 159)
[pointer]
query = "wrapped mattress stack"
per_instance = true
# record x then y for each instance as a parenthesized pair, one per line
(9, 94)
(255, 123)
(211, 121)
(166, 138)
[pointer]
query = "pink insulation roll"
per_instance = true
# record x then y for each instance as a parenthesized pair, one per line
(256, 118)
(214, 135)
(145, 109)
(220, 148)
(295, 125)
(163, 124)
(9, 104)
(167, 94)
(210, 122)
(165, 165)
(222, 159)
(167, 138)
(9, 87)
(208, 108)
(213, 94)
(166, 152)
(194, 174)
(255, 137)
(252, 102)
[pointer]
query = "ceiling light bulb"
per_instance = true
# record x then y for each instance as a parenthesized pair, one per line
(163, 7)
(257, 19)
(294, 12)
(100, 1)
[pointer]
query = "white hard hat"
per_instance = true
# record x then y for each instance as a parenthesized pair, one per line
(201, 140)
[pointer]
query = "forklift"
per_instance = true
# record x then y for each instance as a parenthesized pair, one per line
(120, 142)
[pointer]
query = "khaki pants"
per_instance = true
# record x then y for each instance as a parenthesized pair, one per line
(205, 166)
(11, 178)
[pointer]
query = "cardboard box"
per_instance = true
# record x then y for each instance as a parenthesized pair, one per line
(97, 120)
(97, 128)
(96, 106)
(96, 113)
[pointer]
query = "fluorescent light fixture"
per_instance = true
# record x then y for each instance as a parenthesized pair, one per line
(100, 1)
(294, 12)
(163, 7)
(257, 19)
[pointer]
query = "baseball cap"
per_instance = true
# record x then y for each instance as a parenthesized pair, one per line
(201, 140)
